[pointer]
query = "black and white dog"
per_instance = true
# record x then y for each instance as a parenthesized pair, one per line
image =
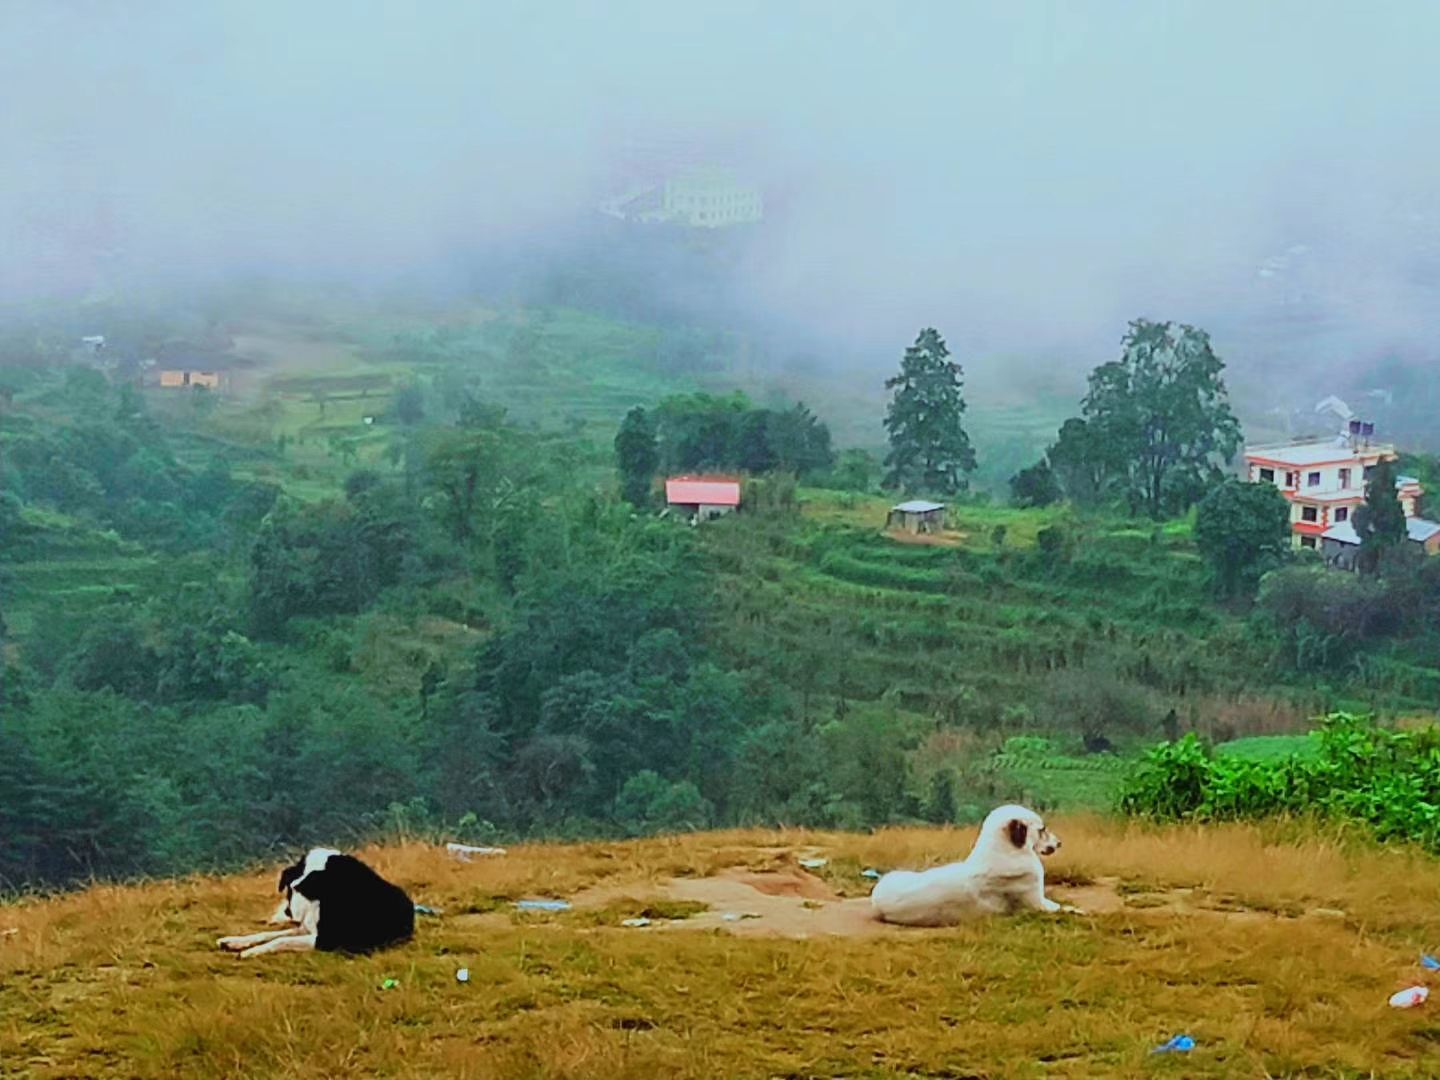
(334, 903)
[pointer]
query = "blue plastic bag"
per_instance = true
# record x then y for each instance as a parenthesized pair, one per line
(1179, 1044)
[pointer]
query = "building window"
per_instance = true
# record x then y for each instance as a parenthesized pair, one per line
(1309, 513)
(1307, 541)
(1368, 470)
(1292, 479)
(1313, 480)
(1267, 475)
(1344, 478)
(1342, 513)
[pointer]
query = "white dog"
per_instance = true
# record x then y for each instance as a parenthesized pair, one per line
(1002, 873)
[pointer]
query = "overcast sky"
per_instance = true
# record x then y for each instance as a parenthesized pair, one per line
(1047, 169)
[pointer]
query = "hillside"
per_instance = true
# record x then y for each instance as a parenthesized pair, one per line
(1274, 949)
(396, 547)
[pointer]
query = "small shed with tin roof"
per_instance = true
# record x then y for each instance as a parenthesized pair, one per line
(917, 516)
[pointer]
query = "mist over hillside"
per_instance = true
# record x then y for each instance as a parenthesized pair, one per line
(1027, 178)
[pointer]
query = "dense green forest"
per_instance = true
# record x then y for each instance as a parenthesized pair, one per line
(395, 587)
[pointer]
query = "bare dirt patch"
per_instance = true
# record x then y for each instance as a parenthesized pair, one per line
(790, 902)
(789, 883)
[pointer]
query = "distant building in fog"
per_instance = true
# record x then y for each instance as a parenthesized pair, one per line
(699, 198)
(712, 199)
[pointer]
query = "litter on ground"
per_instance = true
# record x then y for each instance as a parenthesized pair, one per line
(1429, 963)
(464, 851)
(543, 905)
(873, 875)
(389, 984)
(463, 975)
(1409, 997)
(1178, 1044)
(736, 916)
(813, 864)
(421, 909)
(641, 921)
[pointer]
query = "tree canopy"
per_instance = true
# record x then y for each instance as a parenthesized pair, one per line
(929, 449)
(1242, 530)
(1163, 413)
(705, 431)
(637, 456)
(1035, 486)
(1380, 522)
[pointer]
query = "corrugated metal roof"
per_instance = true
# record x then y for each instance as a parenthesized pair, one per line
(702, 491)
(1420, 529)
(1342, 531)
(918, 506)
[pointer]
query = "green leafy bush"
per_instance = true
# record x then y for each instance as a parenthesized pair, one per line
(1388, 780)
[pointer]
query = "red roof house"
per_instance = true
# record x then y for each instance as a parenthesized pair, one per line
(703, 496)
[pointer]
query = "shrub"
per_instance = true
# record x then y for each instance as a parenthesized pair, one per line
(941, 806)
(1099, 706)
(1053, 541)
(1318, 617)
(1387, 780)
(649, 803)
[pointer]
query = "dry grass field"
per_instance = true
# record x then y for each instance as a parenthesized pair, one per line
(1275, 948)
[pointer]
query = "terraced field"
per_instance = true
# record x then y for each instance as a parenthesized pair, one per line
(936, 624)
(82, 569)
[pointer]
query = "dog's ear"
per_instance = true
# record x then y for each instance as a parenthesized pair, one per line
(1019, 832)
(289, 874)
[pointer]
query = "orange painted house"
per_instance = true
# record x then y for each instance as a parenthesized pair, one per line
(1324, 481)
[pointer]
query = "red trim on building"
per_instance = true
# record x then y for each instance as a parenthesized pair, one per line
(1290, 466)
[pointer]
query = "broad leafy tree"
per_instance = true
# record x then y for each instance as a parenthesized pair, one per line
(1035, 486)
(929, 449)
(480, 473)
(1163, 406)
(800, 441)
(637, 457)
(854, 471)
(1242, 530)
(703, 431)
(1085, 464)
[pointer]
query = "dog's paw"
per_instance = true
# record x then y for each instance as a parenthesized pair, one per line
(230, 944)
(1071, 909)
